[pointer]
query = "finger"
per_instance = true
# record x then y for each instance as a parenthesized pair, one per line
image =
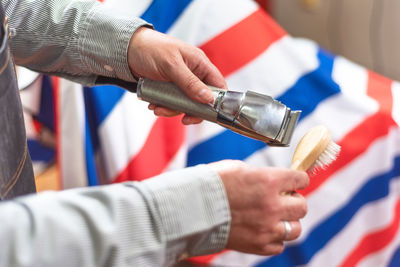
(288, 230)
(249, 241)
(208, 72)
(165, 112)
(294, 207)
(293, 180)
(190, 84)
(187, 120)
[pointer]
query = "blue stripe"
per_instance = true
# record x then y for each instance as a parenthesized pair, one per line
(92, 141)
(90, 156)
(100, 100)
(40, 152)
(46, 111)
(163, 13)
(395, 261)
(309, 91)
(376, 188)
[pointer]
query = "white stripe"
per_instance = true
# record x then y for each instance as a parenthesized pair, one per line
(31, 96)
(352, 78)
(205, 19)
(124, 132)
(199, 133)
(236, 259)
(72, 133)
(372, 217)
(277, 68)
(179, 160)
(396, 102)
(128, 7)
(30, 129)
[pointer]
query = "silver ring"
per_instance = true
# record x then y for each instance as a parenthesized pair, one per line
(288, 229)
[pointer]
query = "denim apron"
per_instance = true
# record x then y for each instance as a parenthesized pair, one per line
(16, 173)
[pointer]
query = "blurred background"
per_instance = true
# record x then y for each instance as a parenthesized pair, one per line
(364, 31)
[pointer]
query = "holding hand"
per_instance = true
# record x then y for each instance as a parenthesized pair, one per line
(160, 57)
(262, 215)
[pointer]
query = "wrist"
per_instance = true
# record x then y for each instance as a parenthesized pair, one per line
(135, 47)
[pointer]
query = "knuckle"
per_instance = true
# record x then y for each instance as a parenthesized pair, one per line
(298, 232)
(172, 60)
(272, 208)
(303, 209)
(191, 83)
(269, 179)
(259, 242)
(303, 180)
(201, 52)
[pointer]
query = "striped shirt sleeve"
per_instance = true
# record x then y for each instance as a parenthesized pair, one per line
(150, 223)
(79, 39)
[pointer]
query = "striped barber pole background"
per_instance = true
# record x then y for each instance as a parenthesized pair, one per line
(106, 135)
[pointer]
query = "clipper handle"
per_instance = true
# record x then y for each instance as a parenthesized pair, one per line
(170, 96)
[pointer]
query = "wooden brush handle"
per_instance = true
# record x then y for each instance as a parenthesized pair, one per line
(310, 148)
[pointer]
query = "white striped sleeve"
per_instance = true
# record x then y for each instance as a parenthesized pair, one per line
(75, 39)
(151, 223)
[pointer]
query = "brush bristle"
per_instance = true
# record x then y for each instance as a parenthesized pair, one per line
(327, 157)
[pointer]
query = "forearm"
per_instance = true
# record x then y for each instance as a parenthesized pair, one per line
(78, 39)
(152, 223)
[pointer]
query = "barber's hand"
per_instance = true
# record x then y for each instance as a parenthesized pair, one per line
(259, 207)
(160, 57)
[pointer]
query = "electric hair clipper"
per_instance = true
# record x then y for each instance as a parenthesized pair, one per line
(248, 113)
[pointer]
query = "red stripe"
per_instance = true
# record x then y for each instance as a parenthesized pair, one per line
(38, 126)
(360, 138)
(206, 258)
(243, 42)
(379, 88)
(57, 124)
(162, 144)
(374, 241)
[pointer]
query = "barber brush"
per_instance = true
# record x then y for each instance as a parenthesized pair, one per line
(315, 150)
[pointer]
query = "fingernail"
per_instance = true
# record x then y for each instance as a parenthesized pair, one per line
(185, 120)
(206, 95)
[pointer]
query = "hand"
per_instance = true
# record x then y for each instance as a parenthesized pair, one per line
(259, 206)
(157, 56)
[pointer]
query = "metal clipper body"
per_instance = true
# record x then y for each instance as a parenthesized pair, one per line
(248, 113)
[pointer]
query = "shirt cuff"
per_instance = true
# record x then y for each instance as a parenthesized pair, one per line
(193, 210)
(104, 40)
